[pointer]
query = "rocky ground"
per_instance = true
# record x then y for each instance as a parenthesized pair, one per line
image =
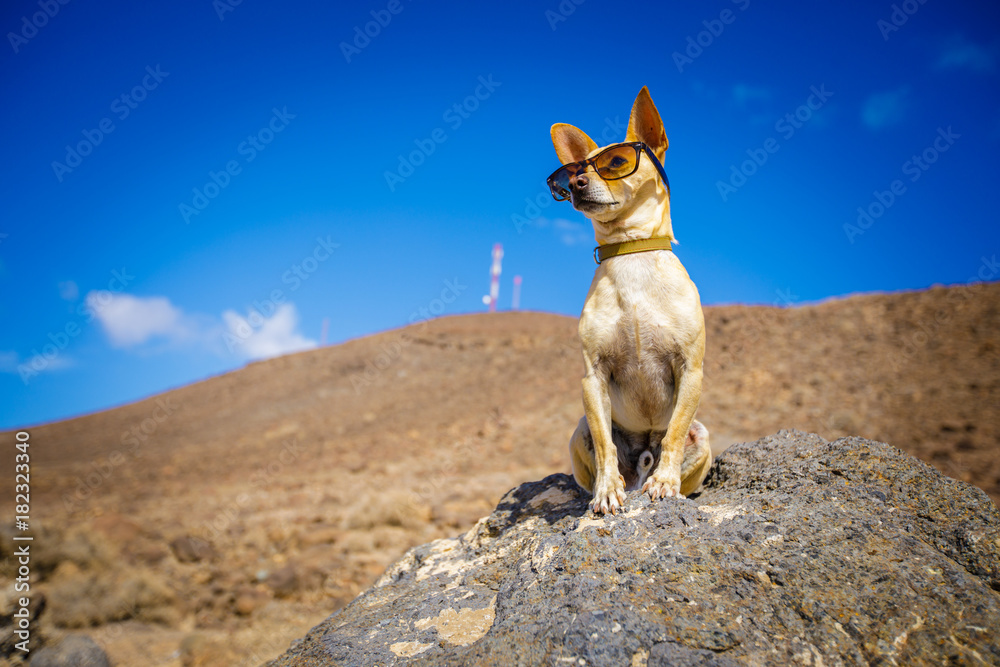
(214, 524)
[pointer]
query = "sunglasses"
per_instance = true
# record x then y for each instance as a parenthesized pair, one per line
(611, 164)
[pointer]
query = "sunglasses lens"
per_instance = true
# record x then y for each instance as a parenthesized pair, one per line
(559, 184)
(616, 162)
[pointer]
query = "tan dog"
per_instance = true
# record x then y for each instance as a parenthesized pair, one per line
(642, 328)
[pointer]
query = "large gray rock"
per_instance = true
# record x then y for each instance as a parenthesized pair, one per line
(798, 552)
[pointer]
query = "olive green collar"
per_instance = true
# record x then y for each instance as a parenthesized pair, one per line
(603, 252)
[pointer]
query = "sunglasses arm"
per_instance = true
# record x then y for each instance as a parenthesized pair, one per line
(656, 163)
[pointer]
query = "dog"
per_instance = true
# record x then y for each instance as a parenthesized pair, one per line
(642, 327)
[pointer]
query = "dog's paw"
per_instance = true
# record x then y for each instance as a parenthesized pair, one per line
(608, 496)
(663, 486)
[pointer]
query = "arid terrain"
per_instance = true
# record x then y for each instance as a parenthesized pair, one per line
(214, 524)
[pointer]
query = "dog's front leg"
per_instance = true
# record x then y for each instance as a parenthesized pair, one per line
(609, 486)
(666, 479)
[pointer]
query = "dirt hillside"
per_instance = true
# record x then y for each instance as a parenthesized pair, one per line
(213, 524)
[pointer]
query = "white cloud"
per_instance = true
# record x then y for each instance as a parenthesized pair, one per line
(11, 362)
(132, 322)
(256, 337)
(884, 109)
(569, 232)
(573, 233)
(960, 53)
(69, 291)
(129, 320)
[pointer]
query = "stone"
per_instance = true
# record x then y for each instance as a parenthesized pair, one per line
(72, 651)
(249, 599)
(284, 581)
(117, 528)
(797, 551)
(189, 549)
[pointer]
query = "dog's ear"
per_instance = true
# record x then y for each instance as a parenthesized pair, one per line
(645, 124)
(572, 144)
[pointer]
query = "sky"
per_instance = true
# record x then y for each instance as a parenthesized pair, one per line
(192, 186)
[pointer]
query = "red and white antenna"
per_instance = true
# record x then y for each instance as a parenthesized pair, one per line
(491, 298)
(515, 301)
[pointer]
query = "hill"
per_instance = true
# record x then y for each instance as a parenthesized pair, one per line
(178, 527)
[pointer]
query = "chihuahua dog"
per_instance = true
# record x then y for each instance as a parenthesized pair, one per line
(642, 328)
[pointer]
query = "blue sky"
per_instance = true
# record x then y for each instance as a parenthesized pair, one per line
(192, 186)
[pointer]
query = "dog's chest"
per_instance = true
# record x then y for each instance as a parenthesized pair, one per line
(635, 307)
(632, 324)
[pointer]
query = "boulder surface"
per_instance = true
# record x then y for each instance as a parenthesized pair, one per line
(797, 551)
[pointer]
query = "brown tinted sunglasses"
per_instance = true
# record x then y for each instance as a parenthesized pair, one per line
(611, 164)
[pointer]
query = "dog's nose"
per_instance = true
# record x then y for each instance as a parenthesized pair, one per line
(579, 182)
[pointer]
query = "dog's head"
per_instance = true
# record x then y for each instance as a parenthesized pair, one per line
(631, 207)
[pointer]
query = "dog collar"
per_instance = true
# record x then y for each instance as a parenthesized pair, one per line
(603, 252)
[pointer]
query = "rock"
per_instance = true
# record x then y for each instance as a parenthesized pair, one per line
(249, 599)
(246, 604)
(189, 549)
(284, 581)
(117, 528)
(798, 551)
(72, 651)
(149, 553)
